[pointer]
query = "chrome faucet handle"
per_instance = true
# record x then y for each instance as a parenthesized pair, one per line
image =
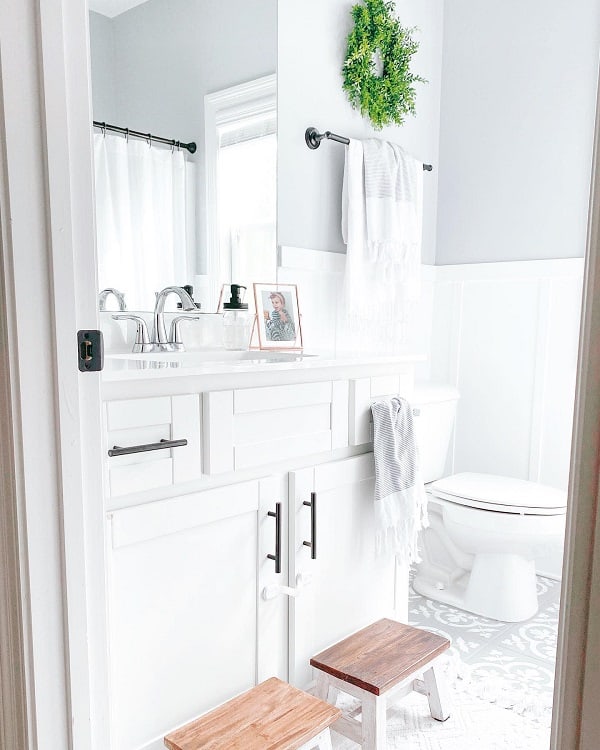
(159, 334)
(119, 296)
(175, 331)
(142, 340)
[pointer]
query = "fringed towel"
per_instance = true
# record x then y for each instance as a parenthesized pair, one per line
(382, 203)
(400, 499)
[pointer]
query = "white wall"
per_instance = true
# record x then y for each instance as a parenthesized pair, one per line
(517, 123)
(312, 46)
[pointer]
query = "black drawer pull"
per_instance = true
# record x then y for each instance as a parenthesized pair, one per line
(313, 525)
(116, 450)
(277, 555)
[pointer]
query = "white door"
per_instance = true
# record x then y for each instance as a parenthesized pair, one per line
(344, 585)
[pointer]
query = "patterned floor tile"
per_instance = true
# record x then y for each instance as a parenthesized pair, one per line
(510, 664)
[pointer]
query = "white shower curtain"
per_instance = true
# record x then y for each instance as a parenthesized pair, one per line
(140, 218)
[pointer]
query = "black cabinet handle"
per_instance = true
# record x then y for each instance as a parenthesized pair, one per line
(313, 525)
(116, 450)
(277, 555)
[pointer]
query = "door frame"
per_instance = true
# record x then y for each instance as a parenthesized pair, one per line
(576, 720)
(54, 495)
(56, 641)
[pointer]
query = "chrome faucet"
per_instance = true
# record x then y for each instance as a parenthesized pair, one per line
(119, 296)
(159, 334)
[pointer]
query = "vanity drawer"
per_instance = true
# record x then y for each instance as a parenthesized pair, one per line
(364, 391)
(251, 427)
(141, 424)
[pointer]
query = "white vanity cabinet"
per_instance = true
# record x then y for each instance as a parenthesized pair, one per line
(188, 627)
(345, 585)
(197, 610)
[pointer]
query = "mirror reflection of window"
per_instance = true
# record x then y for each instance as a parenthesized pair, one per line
(241, 184)
(246, 200)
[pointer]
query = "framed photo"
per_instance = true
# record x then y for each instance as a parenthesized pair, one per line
(278, 316)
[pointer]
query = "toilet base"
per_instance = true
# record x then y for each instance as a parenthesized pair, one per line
(499, 586)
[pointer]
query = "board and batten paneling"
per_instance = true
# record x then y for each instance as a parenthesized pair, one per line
(506, 335)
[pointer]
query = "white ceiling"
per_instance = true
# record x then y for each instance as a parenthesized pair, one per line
(112, 8)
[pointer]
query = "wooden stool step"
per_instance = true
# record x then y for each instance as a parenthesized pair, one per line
(270, 716)
(381, 663)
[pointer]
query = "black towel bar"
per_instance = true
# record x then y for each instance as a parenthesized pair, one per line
(313, 140)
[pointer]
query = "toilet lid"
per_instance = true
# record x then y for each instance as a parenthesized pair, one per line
(502, 494)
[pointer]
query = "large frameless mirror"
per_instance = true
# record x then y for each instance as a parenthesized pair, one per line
(184, 106)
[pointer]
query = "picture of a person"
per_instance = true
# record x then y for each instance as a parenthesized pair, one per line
(279, 325)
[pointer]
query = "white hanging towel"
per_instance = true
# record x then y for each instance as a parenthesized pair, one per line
(382, 218)
(400, 499)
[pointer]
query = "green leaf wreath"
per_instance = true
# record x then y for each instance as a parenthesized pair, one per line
(384, 99)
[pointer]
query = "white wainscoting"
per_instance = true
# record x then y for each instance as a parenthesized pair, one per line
(505, 334)
(319, 276)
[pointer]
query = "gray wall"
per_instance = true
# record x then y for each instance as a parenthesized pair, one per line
(312, 44)
(510, 141)
(102, 55)
(511, 148)
(165, 55)
(517, 119)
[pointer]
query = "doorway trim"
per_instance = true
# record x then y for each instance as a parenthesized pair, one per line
(14, 697)
(576, 720)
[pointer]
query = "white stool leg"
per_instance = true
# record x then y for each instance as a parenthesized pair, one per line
(437, 693)
(374, 722)
(322, 741)
(324, 690)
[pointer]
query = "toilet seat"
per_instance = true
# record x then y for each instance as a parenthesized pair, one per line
(500, 494)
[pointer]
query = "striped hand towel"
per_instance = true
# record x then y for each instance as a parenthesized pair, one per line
(400, 499)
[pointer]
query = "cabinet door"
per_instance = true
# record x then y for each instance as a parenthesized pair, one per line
(184, 607)
(347, 586)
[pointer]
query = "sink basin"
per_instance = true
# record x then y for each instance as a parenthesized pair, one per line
(208, 356)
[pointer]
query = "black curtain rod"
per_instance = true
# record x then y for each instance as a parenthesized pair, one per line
(191, 147)
(313, 140)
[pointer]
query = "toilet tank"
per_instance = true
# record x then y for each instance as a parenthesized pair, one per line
(434, 409)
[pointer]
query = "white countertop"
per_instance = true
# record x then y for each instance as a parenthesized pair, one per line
(218, 369)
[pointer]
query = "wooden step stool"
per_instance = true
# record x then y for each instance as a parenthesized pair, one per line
(377, 665)
(270, 716)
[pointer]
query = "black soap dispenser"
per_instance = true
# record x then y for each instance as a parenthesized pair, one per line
(236, 320)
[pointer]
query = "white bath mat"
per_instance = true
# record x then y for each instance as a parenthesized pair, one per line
(508, 664)
(473, 725)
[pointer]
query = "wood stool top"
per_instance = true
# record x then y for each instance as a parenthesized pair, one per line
(380, 655)
(270, 716)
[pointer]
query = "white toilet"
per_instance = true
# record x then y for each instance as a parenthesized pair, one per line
(488, 534)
